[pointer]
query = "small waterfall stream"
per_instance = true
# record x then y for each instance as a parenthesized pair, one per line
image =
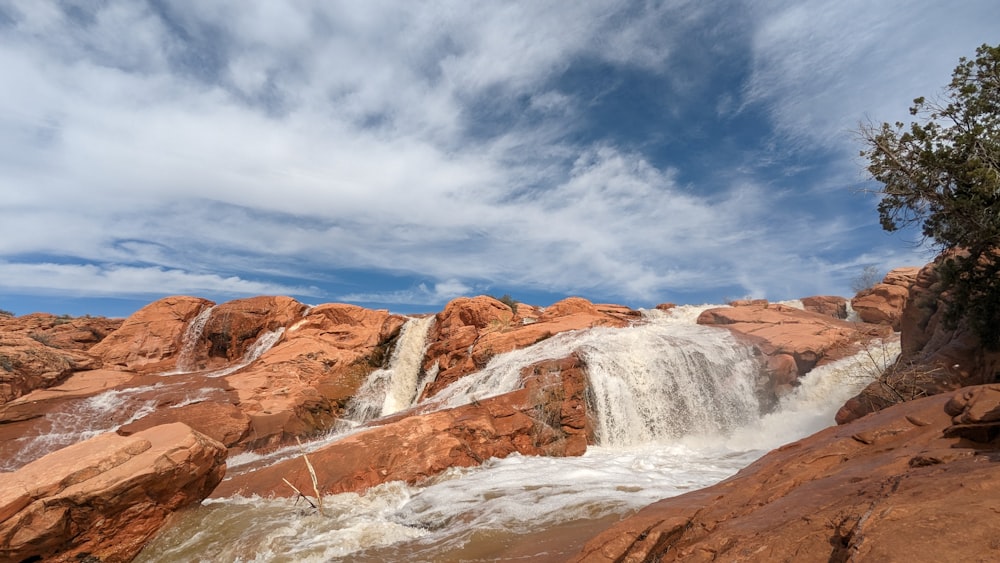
(189, 342)
(390, 390)
(264, 342)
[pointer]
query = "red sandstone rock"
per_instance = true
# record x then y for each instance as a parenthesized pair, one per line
(829, 305)
(887, 487)
(150, 339)
(547, 417)
(222, 422)
(934, 359)
(104, 498)
(40, 350)
(470, 331)
(236, 325)
(884, 302)
(303, 383)
(780, 332)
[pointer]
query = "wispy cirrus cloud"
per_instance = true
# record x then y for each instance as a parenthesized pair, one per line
(524, 145)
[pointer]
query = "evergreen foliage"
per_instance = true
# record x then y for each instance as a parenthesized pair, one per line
(942, 173)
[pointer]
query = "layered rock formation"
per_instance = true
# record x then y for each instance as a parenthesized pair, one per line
(934, 358)
(40, 350)
(102, 499)
(546, 417)
(470, 331)
(914, 482)
(793, 341)
(884, 302)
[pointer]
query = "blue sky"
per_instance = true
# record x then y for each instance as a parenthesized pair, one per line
(400, 154)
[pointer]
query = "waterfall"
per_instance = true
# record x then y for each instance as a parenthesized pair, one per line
(405, 365)
(674, 405)
(185, 359)
(649, 383)
(264, 342)
(390, 390)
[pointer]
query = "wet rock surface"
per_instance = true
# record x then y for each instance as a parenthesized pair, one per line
(102, 499)
(914, 482)
(547, 417)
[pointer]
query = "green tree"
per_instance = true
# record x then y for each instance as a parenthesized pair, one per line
(942, 173)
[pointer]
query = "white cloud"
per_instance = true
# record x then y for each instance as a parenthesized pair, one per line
(300, 137)
(821, 67)
(94, 280)
(422, 294)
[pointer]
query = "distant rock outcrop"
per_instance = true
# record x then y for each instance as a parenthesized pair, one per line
(102, 499)
(41, 350)
(884, 302)
(830, 305)
(914, 482)
(470, 331)
(794, 341)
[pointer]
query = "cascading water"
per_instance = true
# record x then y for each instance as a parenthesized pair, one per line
(650, 382)
(82, 420)
(189, 342)
(390, 390)
(661, 438)
(264, 342)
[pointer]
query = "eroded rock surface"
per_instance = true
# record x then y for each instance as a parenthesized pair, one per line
(547, 417)
(914, 482)
(41, 350)
(884, 302)
(934, 358)
(105, 497)
(794, 341)
(151, 338)
(470, 331)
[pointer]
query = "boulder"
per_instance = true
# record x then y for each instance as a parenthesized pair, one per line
(830, 305)
(793, 340)
(151, 339)
(904, 484)
(883, 303)
(547, 417)
(470, 331)
(103, 499)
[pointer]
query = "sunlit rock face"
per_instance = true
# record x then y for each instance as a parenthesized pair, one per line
(546, 417)
(884, 302)
(470, 331)
(151, 339)
(830, 305)
(934, 358)
(41, 350)
(914, 482)
(105, 497)
(793, 341)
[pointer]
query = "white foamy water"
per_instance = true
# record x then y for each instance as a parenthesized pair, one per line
(390, 390)
(82, 420)
(662, 437)
(662, 379)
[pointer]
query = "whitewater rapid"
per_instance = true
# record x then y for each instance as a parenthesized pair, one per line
(678, 411)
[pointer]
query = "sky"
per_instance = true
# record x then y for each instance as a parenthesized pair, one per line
(399, 154)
